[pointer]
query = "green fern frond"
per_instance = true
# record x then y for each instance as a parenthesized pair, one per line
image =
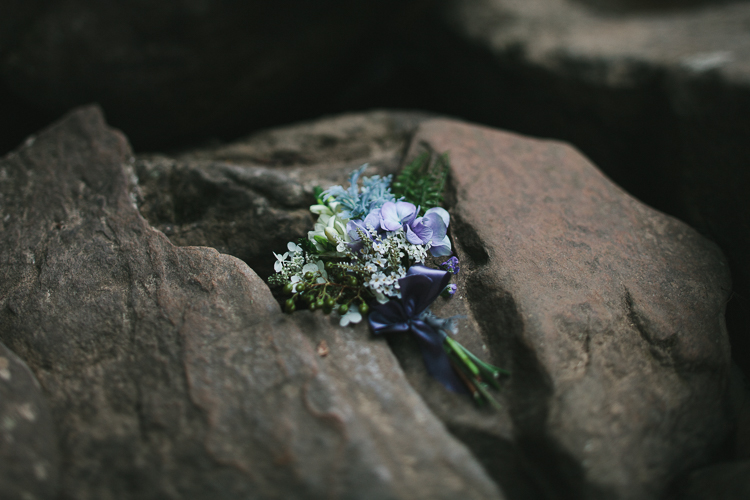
(422, 182)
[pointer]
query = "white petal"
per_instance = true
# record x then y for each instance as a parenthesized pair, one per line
(443, 213)
(320, 209)
(332, 235)
(309, 268)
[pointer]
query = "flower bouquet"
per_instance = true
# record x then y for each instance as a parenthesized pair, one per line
(365, 257)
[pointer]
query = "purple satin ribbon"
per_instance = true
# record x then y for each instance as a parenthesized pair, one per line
(419, 288)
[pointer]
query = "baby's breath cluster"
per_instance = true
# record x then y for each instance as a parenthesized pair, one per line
(382, 260)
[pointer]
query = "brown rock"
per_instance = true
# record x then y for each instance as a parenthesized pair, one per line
(608, 313)
(250, 197)
(617, 387)
(28, 445)
(657, 97)
(171, 373)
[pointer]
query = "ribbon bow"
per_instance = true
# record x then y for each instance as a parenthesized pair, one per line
(419, 288)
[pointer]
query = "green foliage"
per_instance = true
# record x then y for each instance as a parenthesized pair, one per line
(422, 182)
(307, 245)
(318, 193)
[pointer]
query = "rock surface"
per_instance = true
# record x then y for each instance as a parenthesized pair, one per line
(170, 372)
(608, 312)
(657, 97)
(251, 197)
(28, 445)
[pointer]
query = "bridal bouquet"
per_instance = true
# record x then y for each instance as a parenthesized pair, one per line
(365, 257)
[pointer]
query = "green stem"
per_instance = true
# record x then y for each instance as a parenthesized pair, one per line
(460, 352)
(486, 393)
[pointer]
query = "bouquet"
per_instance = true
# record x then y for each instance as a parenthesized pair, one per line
(365, 257)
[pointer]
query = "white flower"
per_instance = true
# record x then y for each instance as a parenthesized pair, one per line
(351, 316)
(370, 267)
(380, 261)
(279, 264)
(309, 268)
(322, 270)
(294, 280)
(376, 280)
(293, 247)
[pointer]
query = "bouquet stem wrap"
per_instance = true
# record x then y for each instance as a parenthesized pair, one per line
(419, 289)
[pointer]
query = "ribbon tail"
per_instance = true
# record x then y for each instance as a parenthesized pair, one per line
(436, 359)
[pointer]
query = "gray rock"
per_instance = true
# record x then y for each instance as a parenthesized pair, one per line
(250, 197)
(657, 98)
(28, 445)
(171, 373)
(608, 313)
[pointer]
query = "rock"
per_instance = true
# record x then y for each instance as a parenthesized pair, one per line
(657, 98)
(726, 481)
(168, 72)
(250, 197)
(28, 445)
(608, 313)
(171, 373)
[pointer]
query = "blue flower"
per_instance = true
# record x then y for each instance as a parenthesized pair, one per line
(356, 202)
(394, 216)
(451, 265)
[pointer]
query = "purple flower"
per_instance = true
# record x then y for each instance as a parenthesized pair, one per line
(353, 228)
(394, 215)
(431, 228)
(373, 220)
(448, 291)
(451, 265)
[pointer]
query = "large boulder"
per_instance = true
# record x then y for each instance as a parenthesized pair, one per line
(656, 93)
(609, 313)
(171, 372)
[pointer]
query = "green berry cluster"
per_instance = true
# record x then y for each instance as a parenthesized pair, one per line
(340, 290)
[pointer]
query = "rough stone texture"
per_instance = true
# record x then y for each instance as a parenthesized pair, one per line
(28, 446)
(608, 313)
(251, 197)
(171, 70)
(170, 372)
(658, 98)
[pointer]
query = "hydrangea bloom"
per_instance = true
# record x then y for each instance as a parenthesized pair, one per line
(430, 230)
